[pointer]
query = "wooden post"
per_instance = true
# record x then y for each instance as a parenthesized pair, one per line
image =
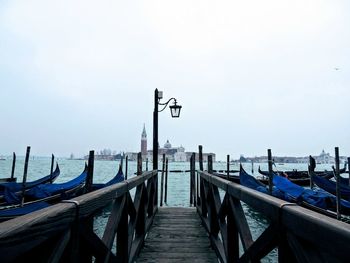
(126, 167)
(310, 171)
(146, 164)
(121, 161)
(13, 166)
(269, 158)
(139, 164)
(166, 182)
(51, 170)
(25, 174)
(210, 164)
(252, 166)
(162, 182)
(90, 171)
(228, 166)
(349, 168)
(338, 181)
(200, 149)
(191, 179)
(194, 178)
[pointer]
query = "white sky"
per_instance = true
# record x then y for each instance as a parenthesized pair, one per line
(250, 75)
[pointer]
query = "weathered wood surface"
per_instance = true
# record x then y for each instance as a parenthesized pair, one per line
(299, 234)
(177, 235)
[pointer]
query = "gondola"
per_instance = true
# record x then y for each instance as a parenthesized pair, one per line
(284, 189)
(17, 188)
(50, 192)
(76, 189)
(263, 180)
(295, 174)
(330, 186)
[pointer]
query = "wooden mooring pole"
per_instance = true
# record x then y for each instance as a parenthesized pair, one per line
(269, 158)
(338, 181)
(139, 164)
(166, 181)
(162, 181)
(25, 174)
(310, 171)
(90, 171)
(51, 170)
(228, 166)
(126, 167)
(13, 166)
(349, 169)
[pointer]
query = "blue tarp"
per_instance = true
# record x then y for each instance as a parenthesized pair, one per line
(17, 187)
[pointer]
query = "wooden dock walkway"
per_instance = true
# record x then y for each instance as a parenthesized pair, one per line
(177, 235)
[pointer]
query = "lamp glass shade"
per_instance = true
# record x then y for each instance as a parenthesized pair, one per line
(175, 110)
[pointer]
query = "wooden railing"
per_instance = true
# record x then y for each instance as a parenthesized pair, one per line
(64, 232)
(300, 235)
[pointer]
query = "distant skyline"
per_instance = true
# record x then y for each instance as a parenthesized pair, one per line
(251, 75)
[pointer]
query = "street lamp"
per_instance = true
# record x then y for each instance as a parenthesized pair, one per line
(175, 113)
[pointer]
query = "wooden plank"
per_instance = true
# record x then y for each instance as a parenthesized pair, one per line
(177, 235)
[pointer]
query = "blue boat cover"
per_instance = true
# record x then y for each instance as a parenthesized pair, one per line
(46, 190)
(252, 183)
(17, 187)
(330, 186)
(119, 177)
(26, 209)
(317, 198)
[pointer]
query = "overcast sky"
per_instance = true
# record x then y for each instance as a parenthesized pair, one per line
(250, 75)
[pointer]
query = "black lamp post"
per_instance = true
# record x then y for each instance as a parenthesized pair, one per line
(175, 113)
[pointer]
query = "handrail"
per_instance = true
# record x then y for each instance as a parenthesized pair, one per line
(299, 233)
(130, 219)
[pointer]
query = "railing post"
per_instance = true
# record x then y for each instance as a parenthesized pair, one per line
(232, 235)
(122, 240)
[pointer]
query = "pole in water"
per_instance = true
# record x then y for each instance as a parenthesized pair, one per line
(269, 158)
(166, 182)
(126, 167)
(337, 181)
(252, 166)
(13, 166)
(228, 166)
(25, 174)
(349, 168)
(200, 149)
(51, 170)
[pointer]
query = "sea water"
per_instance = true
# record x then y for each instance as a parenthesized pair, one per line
(178, 183)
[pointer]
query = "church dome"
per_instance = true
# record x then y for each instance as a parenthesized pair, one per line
(167, 145)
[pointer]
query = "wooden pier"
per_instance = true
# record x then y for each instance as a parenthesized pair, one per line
(177, 235)
(215, 229)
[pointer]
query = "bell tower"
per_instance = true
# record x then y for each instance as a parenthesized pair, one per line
(144, 141)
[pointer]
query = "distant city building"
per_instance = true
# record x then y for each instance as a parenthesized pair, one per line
(323, 158)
